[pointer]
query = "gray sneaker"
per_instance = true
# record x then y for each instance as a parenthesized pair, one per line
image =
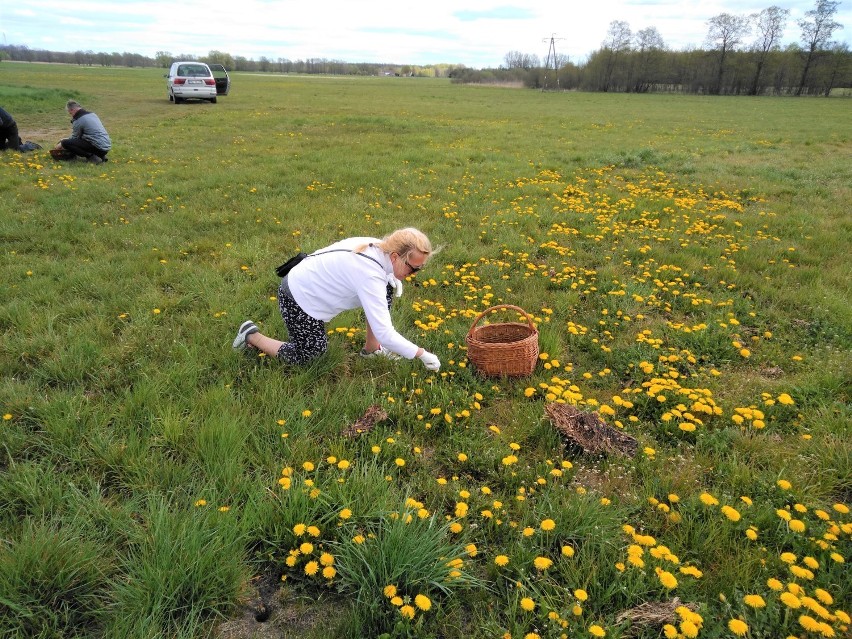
(246, 328)
(95, 159)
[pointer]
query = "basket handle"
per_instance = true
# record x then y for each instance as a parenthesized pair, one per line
(499, 306)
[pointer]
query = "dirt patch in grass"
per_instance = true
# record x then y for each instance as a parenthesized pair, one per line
(274, 611)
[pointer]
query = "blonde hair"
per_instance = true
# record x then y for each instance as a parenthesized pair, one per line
(403, 241)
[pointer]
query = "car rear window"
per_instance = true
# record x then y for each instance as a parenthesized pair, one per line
(193, 71)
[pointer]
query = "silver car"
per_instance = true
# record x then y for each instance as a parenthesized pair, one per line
(192, 80)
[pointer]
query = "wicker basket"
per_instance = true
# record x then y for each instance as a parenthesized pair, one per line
(507, 349)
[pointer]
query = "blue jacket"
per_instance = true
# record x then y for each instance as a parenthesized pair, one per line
(87, 126)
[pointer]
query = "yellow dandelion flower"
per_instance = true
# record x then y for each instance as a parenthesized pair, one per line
(313, 531)
(423, 602)
(843, 509)
(755, 601)
(306, 548)
(501, 560)
(568, 551)
(542, 563)
(708, 500)
(407, 612)
(389, 591)
(462, 457)
(311, 568)
(809, 623)
(527, 604)
(797, 525)
(299, 530)
(783, 484)
(399, 461)
(774, 584)
(785, 399)
(548, 524)
(738, 627)
(308, 466)
(326, 559)
(329, 572)
(667, 579)
(596, 631)
(345, 513)
(581, 594)
(731, 513)
(790, 600)
(396, 601)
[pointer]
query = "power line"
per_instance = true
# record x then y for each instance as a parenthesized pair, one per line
(551, 60)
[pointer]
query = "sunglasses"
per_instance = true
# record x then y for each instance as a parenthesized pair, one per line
(412, 268)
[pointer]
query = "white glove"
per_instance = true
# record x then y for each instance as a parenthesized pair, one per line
(430, 361)
(397, 285)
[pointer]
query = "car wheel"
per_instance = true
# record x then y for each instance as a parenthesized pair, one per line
(213, 100)
(171, 97)
(178, 100)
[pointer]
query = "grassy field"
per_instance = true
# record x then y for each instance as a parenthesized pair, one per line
(684, 258)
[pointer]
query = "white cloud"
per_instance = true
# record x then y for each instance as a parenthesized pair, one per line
(477, 33)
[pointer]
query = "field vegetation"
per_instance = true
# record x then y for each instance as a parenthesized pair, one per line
(684, 258)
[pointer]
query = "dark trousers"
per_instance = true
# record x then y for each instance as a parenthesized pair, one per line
(9, 138)
(83, 148)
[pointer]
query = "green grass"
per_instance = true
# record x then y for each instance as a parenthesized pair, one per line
(151, 479)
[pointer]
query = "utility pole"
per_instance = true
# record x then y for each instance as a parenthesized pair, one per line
(551, 62)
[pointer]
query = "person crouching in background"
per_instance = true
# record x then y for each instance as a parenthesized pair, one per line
(89, 139)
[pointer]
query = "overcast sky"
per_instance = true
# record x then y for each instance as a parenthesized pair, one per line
(476, 33)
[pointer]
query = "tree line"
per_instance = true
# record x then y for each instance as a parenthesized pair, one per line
(742, 56)
(164, 59)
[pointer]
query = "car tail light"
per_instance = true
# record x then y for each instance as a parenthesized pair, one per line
(180, 81)
(210, 82)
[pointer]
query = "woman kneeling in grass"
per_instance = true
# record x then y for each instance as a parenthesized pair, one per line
(358, 272)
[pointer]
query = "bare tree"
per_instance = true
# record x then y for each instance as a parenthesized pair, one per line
(817, 29)
(617, 42)
(649, 47)
(725, 33)
(769, 24)
(518, 60)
